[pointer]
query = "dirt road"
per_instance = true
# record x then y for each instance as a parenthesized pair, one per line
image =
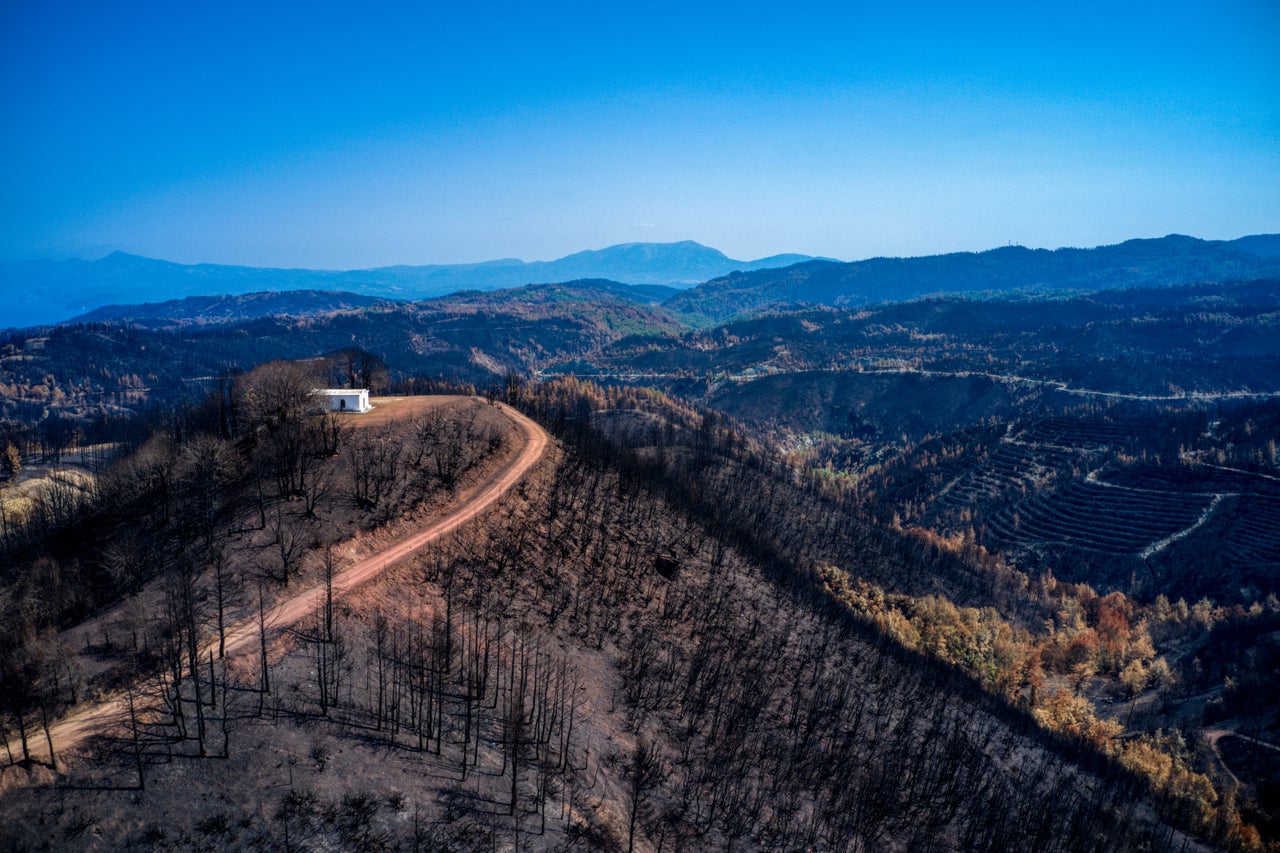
(1215, 735)
(93, 718)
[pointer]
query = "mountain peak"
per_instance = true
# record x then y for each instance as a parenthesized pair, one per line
(126, 260)
(118, 255)
(682, 248)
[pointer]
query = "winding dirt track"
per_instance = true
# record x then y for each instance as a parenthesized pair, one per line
(72, 730)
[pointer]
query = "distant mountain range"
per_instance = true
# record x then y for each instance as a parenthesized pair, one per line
(120, 286)
(54, 291)
(1161, 262)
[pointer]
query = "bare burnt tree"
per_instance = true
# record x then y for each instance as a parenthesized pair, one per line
(314, 483)
(290, 540)
(205, 467)
(135, 735)
(275, 394)
(374, 459)
(284, 452)
(445, 441)
(357, 368)
(222, 590)
(187, 603)
(328, 644)
(19, 697)
(264, 661)
(644, 773)
(328, 431)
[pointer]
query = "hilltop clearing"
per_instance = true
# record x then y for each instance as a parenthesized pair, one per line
(290, 608)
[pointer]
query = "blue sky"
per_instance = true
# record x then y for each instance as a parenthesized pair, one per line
(355, 135)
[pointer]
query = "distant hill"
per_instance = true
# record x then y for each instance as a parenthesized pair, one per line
(1136, 263)
(206, 310)
(579, 290)
(214, 310)
(1259, 244)
(1200, 338)
(54, 291)
(473, 336)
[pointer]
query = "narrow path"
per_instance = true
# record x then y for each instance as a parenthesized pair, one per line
(1156, 547)
(1255, 741)
(1212, 736)
(1004, 378)
(93, 718)
(1217, 734)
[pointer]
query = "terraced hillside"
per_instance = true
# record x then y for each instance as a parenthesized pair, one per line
(1201, 478)
(1255, 532)
(1095, 516)
(1016, 468)
(1024, 477)
(1115, 501)
(1084, 435)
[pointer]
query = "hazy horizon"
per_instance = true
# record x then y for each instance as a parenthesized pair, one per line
(310, 137)
(530, 261)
